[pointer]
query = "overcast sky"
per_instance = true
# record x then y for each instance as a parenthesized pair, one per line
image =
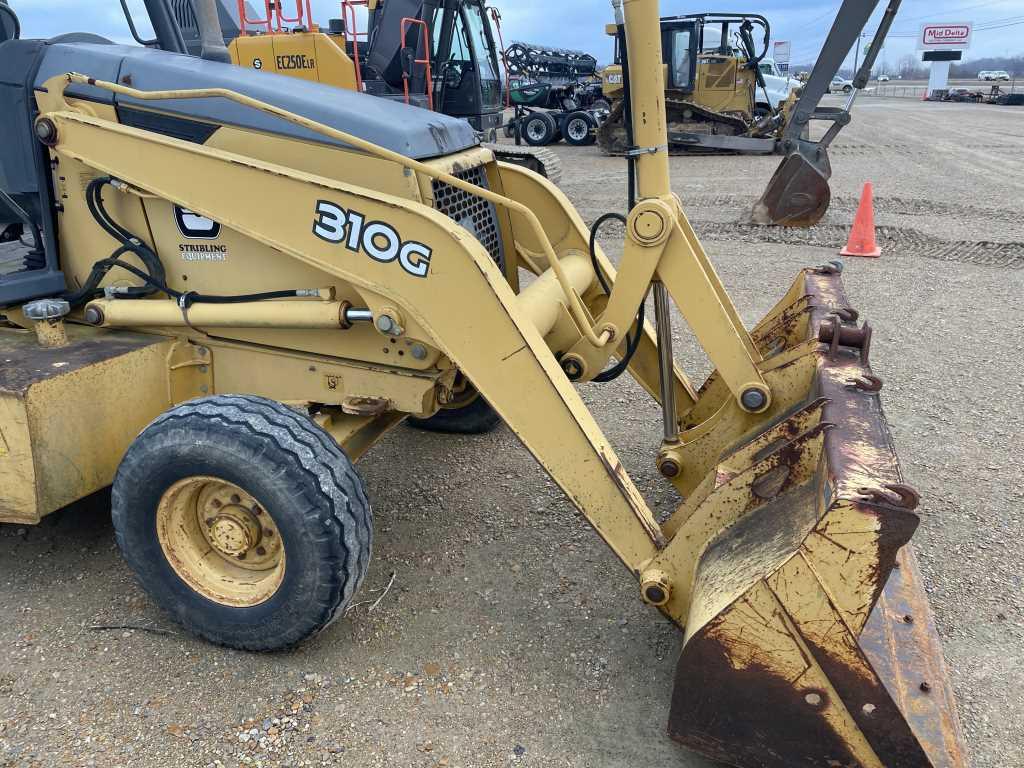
(580, 23)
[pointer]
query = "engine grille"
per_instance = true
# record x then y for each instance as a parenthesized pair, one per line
(471, 212)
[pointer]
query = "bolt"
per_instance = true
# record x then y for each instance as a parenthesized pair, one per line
(419, 351)
(203, 368)
(256, 510)
(753, 399)
(209, 522)
(46, 131)
(261, 551)
(925, 686)
(573, 369)
(217, 503)
(669, 468)
(93, 315)
(268, 533)
(235, 498)
(385, 324)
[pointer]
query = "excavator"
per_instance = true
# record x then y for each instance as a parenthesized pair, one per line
(717, 100)
(231, 284)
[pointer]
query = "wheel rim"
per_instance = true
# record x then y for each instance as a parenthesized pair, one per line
(577, 129)
(535, 130)
(220, 541)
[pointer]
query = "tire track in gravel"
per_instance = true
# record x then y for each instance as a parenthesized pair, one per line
(901, 206)
(902, 241)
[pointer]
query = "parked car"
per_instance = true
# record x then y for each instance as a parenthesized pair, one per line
(994, 74)
(840, 84)
(883, 78)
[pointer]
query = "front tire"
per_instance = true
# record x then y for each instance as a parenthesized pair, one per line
(244, 520)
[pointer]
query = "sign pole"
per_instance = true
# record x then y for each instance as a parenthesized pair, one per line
(941, 44)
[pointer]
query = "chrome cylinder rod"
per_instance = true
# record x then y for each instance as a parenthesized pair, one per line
(666, 362)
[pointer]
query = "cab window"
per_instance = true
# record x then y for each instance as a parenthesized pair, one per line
(476, 35)
(681, 61)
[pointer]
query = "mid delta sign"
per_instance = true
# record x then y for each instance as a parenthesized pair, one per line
(944, 36)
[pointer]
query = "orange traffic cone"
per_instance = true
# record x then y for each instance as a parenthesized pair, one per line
(862, 234)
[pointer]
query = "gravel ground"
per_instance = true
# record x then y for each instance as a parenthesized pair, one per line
(511, 635)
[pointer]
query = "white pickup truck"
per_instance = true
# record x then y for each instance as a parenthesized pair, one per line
(777, 85)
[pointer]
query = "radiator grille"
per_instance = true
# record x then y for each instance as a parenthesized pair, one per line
(471, 212)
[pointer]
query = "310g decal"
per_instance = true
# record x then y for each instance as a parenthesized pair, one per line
(378, 240)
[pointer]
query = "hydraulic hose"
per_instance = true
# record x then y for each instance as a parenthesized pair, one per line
(154, 274)
(632, 342)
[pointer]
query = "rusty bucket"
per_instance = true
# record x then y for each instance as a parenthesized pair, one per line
(798, 194)
(808, 638)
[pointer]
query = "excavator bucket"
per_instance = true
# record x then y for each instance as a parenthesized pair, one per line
(798, 194)
(808, 637)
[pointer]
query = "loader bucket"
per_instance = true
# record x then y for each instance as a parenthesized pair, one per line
(798, 194)
(808, 639)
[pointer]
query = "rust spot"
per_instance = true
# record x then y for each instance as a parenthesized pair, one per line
(748, 716)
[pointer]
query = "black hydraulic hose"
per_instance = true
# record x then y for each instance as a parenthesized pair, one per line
(187, 298)
(154, 275)
(633, 342)
(595, 227)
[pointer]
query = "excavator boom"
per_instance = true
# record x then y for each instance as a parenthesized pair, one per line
(798, 193)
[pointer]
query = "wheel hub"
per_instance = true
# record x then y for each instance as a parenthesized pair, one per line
(233, 532)
(221, 541)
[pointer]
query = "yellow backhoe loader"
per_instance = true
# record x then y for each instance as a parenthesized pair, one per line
(230, 289)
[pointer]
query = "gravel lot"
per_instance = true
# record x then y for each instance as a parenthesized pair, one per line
(511, 635)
